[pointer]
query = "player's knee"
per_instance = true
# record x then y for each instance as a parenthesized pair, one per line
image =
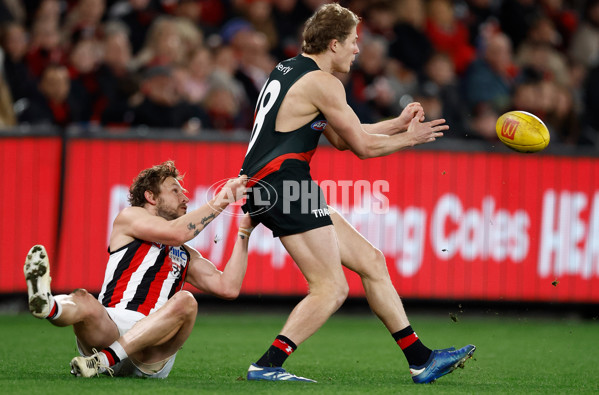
(340, 292)
(376, 267)
(184, 304)
(81, 297)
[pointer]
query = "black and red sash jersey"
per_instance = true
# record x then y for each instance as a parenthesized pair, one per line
(141, 276)
(269, 149)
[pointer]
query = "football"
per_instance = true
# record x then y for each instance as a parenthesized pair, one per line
(522, 131)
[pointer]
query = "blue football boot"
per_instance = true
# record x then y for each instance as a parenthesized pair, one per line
(256, 372)
(440, 363)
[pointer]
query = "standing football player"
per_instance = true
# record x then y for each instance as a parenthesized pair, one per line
(301, 100)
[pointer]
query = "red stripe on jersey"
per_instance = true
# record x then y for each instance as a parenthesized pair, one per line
(407, 341)
(156, 287)
(276, 163)
(281, 345)
(121, 285)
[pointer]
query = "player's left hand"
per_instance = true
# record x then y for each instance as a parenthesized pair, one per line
(412, 110)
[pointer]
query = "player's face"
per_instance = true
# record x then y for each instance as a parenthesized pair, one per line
(172, 202)
(346, 52)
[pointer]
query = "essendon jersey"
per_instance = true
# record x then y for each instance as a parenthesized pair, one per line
(142, 276)
(269, 149)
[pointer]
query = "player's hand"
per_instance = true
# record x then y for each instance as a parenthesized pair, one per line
(426, 132)
(412, 110)
(233, 190)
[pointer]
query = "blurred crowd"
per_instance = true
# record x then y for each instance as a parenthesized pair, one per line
(195, 65)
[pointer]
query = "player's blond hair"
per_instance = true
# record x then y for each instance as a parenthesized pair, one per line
(150, 180)
(330, 21)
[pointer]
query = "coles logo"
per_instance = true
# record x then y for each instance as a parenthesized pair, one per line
(319, 125)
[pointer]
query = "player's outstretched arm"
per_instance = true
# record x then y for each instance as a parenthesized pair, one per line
(225, 284)
(138, 223)
(384, 138)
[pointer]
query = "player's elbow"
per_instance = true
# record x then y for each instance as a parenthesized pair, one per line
(179, 238)
(229, 293)
(363, 152)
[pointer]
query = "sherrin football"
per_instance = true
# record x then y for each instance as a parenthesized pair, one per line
(522, 131)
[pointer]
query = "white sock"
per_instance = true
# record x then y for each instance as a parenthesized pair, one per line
(57, 311)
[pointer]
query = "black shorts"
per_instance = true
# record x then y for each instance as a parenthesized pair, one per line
(288, 201)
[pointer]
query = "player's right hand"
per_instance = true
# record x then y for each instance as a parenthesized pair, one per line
(233, 190)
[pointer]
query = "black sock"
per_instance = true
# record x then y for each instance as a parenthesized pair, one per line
(278, 352)
(416, 353)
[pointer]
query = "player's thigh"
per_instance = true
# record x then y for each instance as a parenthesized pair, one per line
(95, 329)
(316, 253)
(357, 253)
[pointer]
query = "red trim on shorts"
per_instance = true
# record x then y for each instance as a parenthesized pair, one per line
(275, 165)
(407, 341)
(281, 345)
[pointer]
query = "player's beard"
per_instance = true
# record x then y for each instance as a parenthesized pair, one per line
(165, 211)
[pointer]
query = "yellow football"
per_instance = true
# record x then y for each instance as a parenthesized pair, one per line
(522, 131)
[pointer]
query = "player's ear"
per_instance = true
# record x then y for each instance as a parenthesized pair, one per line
(333, 45)
(149, 195)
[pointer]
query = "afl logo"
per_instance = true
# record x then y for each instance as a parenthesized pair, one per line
(319, 125)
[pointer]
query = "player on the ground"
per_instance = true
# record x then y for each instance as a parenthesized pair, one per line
(301, 99)
(142, 316)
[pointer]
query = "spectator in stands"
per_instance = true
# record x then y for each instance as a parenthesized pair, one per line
(260, 14)
(479, 14)
(16, 70)
(489, 79)
(251, 51)
(539, 51)
(369, 90)
(516, 18)
(440, 85)
(118, 84)
(194, 79)
(138, 16)
(288, 16)
(55, 104)
(45, 46)
(7, 114)
(163, 45)
(84, 19)
(379, 19)
(84, 60)
(448, 34)
(162, 105)
(224, 109)
(584, 48)
(561, 116)
(11, 11)
(592, 104)
(411, 46)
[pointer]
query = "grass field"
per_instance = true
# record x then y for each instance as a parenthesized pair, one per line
(351, 354)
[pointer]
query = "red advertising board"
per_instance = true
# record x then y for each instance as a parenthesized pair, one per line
(451, 225)
(28, 202)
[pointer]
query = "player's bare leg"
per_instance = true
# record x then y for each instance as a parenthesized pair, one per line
(316, 253)
(162, 333)
(150, 342)
(359, 255)
(88, 317)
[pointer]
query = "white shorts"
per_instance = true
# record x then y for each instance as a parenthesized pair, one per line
(124, 320)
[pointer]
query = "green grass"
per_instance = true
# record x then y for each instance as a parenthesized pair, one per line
(351, 354)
